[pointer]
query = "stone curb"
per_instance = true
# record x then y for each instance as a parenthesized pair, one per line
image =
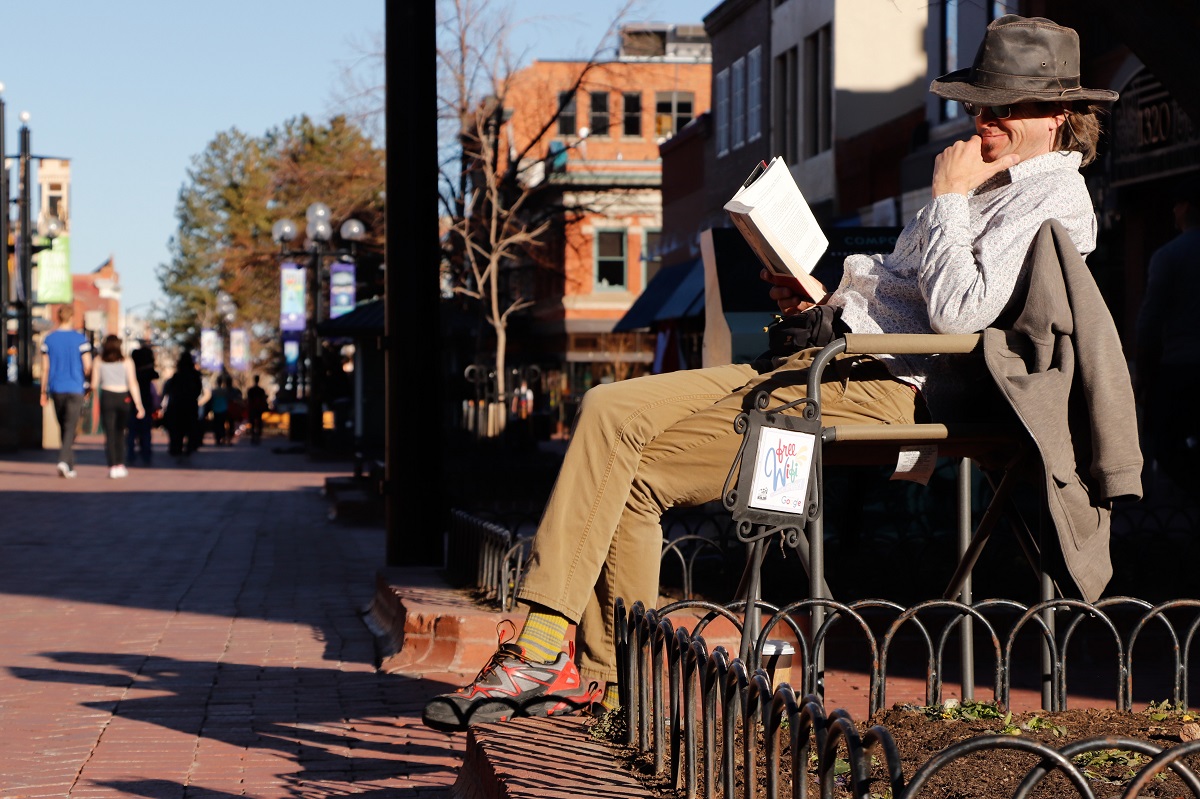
(552, 758)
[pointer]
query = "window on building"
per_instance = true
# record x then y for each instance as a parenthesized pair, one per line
(786, 118)
(950, 109)
(566, 114)
(598, 118)
(610, 260)
(672, 110)
(651, 254)
(754, 94)
(632, 113)
(818, 92)
(737, 102)
(721, 89)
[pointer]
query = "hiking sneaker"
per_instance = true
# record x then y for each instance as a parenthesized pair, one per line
(64, 470)
(512, 685)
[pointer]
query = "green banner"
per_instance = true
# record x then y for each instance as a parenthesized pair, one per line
(54, 271)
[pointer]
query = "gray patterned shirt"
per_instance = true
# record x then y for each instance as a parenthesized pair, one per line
(956, 264)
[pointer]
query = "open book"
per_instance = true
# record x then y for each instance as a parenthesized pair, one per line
(772, 214)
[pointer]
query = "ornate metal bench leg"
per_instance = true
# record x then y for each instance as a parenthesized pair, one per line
(752, 622)
(817, 589)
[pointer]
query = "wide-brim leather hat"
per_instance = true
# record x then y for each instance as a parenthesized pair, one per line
(1021, 60)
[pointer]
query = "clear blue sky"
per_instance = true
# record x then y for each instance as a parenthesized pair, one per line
(131, 90)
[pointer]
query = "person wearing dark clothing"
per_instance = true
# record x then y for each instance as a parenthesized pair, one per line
(181, 413)
(1168, 346)
(115, 382)
(138, 440)
(219, 404)
(256, 406)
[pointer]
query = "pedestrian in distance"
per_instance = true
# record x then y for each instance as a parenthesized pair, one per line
(114, 378)
(219, 401)
(66, 362)
(1168, 346)
(181, 407)
(141, 428)
(256, 406)
(642, 446)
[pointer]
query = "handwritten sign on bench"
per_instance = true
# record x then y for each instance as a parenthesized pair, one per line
(781, 470)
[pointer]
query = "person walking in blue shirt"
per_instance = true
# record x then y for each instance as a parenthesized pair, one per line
(66, 359)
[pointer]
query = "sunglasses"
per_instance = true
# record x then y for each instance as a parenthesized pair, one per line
(998, 111)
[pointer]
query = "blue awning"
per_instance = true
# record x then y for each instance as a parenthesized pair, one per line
(676, 292)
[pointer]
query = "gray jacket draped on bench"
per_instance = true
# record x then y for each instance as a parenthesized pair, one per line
(1062, 370)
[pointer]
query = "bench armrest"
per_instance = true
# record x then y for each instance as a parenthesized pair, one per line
(888, 343)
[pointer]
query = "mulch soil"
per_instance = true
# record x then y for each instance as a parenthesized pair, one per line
(921, 733)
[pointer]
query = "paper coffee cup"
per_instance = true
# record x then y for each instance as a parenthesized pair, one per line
(777, 660)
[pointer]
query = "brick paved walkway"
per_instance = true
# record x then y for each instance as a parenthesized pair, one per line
(195, 631)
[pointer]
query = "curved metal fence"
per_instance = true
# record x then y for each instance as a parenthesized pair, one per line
(677, 693)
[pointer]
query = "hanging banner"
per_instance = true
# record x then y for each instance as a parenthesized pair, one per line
(211, 356)
(54, 270)
(18, 284)
(341, 289)
(291, 297)
(239, 350)
(291, 352)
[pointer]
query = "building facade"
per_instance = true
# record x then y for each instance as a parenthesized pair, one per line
(847, 105)
(598, 174)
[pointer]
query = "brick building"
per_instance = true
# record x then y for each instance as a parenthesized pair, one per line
(599, 175)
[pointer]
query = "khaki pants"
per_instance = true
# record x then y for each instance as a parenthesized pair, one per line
(645, 445)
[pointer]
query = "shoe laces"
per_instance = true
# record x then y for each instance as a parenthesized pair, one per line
(506, 631)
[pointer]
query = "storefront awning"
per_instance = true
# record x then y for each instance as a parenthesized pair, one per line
(676, 292)
(365, 320)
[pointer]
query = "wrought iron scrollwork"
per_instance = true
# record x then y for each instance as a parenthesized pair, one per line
(754, 523)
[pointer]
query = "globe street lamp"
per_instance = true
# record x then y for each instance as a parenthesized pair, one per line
(50, 227)
(318, 233)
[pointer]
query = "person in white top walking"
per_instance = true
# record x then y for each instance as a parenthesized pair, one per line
(112, 376)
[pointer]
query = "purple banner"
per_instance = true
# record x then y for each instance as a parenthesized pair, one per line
(211, 356)
(291, 297)
(239, 350)
(341, 289)
(291, 352)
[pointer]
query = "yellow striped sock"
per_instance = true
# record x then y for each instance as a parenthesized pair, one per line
(612, 697)
(543, 634)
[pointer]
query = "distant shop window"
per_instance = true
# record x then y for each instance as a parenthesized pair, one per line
(737, 92)
(632, 113)
(721, 89)
(610, 260)
(652, 255)
(787, 139)
(598, 117)
(754, 101)
(818, 92)
(672, 110)
(566, 114)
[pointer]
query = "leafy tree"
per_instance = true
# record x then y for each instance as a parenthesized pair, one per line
(237, 188)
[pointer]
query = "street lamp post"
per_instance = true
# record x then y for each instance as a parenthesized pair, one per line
(25, 260)
(25, 250)
(319, 233)
(4, 287)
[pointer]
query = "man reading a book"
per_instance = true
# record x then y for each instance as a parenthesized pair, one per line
(645, 445)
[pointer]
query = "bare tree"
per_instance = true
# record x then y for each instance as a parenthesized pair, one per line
(490, 181)
(361, 96)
